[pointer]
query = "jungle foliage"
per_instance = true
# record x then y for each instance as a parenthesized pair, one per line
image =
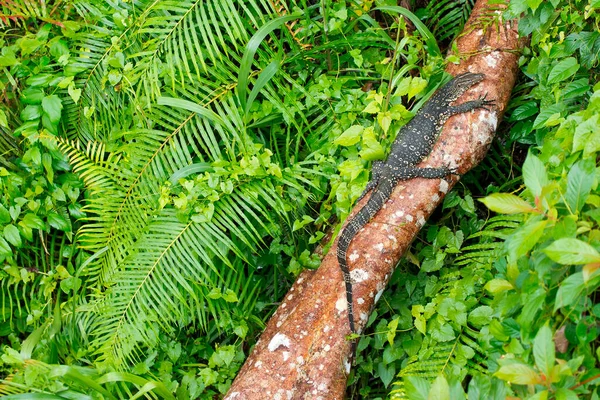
(167, 168)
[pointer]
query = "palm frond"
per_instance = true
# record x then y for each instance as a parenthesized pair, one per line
(447, 17)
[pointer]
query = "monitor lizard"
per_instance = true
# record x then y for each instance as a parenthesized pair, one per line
(413, 144)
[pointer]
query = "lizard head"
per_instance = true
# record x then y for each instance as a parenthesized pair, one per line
(460, 84)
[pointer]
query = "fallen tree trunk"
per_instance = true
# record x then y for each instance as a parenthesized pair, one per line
(303, 352)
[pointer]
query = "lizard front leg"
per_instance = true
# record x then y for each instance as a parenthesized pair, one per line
(481, 102)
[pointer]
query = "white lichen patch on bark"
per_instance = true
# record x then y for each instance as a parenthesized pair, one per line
(420, 220)
(409, 218)
(444, 186)
(327, 347)
(326, 328)
(354, 256)
(435, 198)
(378, 247)
(278, 341)
(360, 300)
(359, 275)
(341, 304)
(399, 214)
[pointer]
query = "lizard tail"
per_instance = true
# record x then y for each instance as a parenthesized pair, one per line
(378, 197)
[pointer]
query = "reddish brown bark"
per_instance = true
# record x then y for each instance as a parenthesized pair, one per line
(303, 354)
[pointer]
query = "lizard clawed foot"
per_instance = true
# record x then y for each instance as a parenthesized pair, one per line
(485, 103)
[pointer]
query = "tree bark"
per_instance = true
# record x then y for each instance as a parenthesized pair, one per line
(303, 353)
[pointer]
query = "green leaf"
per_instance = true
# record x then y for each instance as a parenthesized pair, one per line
(52, 106)
(571, 251)
(32, 221)
(543, 350)
(579, 184)
(563, 70)
(506, 203)
(518, 373)
(32, 96)
(371, 148)
(439, 389)
(31, 113)
(524, 111)
(534, 174)
(230, 296)
(350, 136)
(498, 285)
(566, 394)
(58, 222)
(12, 235)
(4, 215)
(481, 316)
(386, 373)
(392, 326)
(5, 249)
(74, 92)
(417, 388)
(524, 239)
(569, 290)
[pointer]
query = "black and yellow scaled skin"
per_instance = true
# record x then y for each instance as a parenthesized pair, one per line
(413, 143)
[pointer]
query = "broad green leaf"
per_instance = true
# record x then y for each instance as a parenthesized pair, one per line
(74, 92)
(32, 96)
(587, 136)
(524, 239)
(524, 111)
(546, 113)
(569, 290)
(563, 70)
(566, 394)
(543, 350)
(417, 388)
(579, 184)
(32, 221)
(4, 215)
(439, 389)
(571, 251)
(417, 85)
(498, 285)
(481, 316)
(506, 203)
(350, 136)
(5, 249)
(58, 222)
(12, 235)
(518, 373)
(371, 148)
(386, 373)
(31, 112)
(534, 174)
(52, 106)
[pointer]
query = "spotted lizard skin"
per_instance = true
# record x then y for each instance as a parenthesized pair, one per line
(413, 143)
